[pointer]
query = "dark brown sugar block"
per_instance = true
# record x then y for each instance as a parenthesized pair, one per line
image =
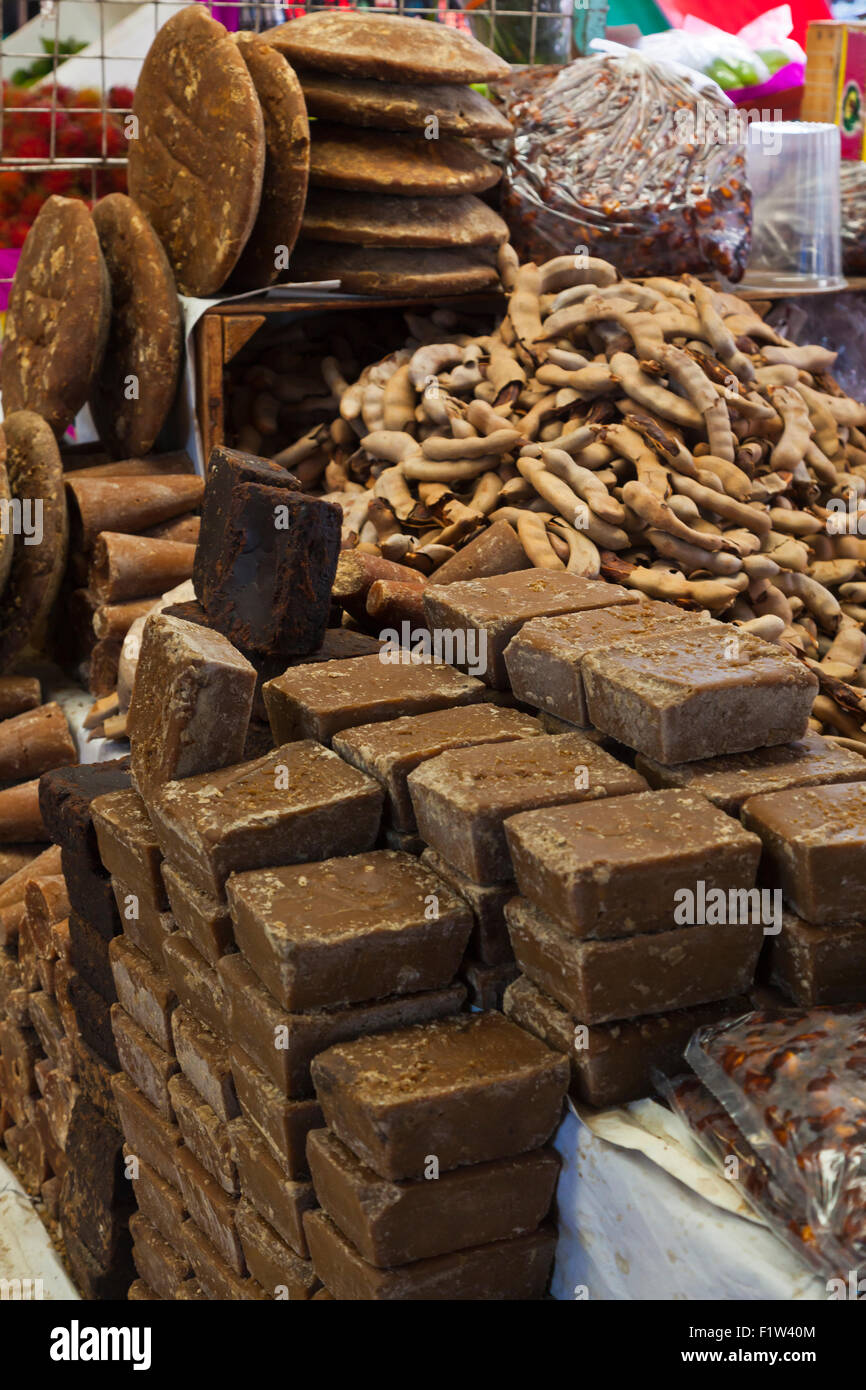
(35, 478)
(148, 1136)
(145, 992)
(157, 1199)
(204, 919)
(280, 601)
(93, 1017)
(613, 1063)
(65, 795)
(283, 1045)
(272, 1263)
(387, 270)
(140, 1292)
(389, 751)
(596, 981)
(730, 780)
(340, 931)
(197, 985)
(204, 1060)
(287, 165)
(204, 1133)
(619, 867)
(281, 1201)
(402, 106)
(283, 1124)
(698, 692)
(93, 1147)
(90, 894)
(94, 1079)
(819, 965)
(544, 659)
(57, 319)
(385, 47)
(211, 1208)
(490, 611)
(504, 1270)
(322, 699)
(226, 470)
(128, 844)
(393, 1223)
(157, 1262)
(489, 941)
(299, 803)
(814, 840)
(148, 1066)
(380, 220)
(144, 337)
(197, 165)
(464, 1090)
(88, 954)
(95, 1281)
(191, 703)
(144, 925)
(191, 1290)
(215, 1279)
(463, 798)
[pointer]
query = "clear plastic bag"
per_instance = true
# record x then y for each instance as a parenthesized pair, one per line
(794, 1085)
(630, 160)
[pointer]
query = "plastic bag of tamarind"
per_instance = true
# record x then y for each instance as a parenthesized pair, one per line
(631, 160)
(794, 1084)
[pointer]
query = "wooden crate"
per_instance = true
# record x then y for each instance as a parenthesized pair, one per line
(225, 329)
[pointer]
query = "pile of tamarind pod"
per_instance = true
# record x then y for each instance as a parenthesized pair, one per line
(656, 433)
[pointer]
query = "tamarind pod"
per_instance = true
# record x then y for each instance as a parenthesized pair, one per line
(656, 513)
(428, 361)
(524, 309)
(441, 449)
(760, 566)
(516, 490)
(790, 554)
(563, 272)
(753, 327)
(752, 518)
(428, 470)
(734, 481)
(846, 653)
(792, 523)
(684, 370)
(829, 712)
(776, 376)
(772, 601)
(684, 508)
(831, 573)
(398, 400)
(508, 264)
(854, 592)
(843, 409)
(671, 289)
(532, 534)
(692, 557)
(571, 361)
(671, 586)
(595, 310)
(485, 493)
(392, 446)
(823, 468)
(583, 556)
(810, 358)
(381, 515)
(371, 408)
(350, 401)
(592, 380)
(719, 433)
(576, 511)
(532, 421)
(504, 372)
(333, 376)
(797, 426)
(558, 544)
(818, 600)
(585, 483)
(483, 418)
(769, 627)
(851, 547)
(741, 611)
(646, 391)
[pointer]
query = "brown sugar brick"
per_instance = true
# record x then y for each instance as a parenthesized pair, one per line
(393, 1223)
(697, 692)
(150, 1067)
(509, 1270)
(128, 844)
(345, 930)
(398, 1099)
(321, 699)
(731, 779)
(278, 1199)
(272, 1263)
(190, 705)
(143, 924)
(596, 981)
(157, 1262)
(145, 992)
(204, 1133)
(299, 803)
(819, 965)
(197, 985)
(486, 613)
(204, 1060)
(814, 840)
(283, 1124)
(462, 798)
(391, 750)
(489, 940)
(617, 867)
(200, 916)
(544, 659)
(613, 1063)
(157, 1199)
(149, 1136)
(283, 1045)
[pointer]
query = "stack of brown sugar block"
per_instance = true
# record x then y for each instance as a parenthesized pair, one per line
(71, 1014)
(432, 1174)
(620, 961)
